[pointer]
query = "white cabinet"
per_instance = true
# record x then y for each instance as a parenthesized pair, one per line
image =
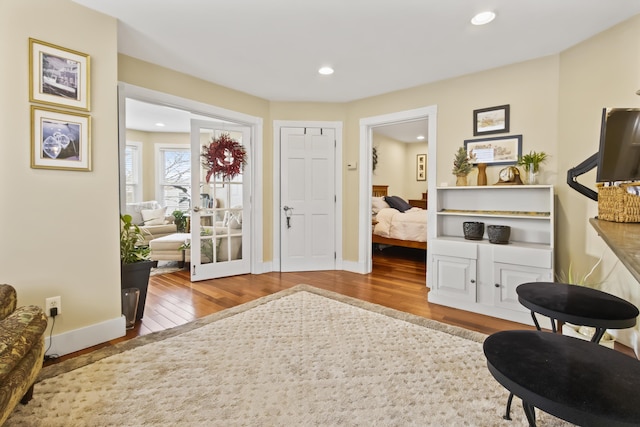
(479, 276)
(455, 271)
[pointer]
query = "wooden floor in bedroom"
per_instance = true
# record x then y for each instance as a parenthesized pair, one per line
(398, 281)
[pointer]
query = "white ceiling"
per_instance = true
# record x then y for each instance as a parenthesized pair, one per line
(273, 49)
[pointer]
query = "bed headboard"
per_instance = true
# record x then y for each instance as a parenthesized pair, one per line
(380, 190)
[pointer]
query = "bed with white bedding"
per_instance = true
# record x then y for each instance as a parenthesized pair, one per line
(393, 227)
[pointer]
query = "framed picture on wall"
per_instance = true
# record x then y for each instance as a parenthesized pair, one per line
(491, 120)
(58, 76)
(502, 150)
(421, 167)
(60, 140)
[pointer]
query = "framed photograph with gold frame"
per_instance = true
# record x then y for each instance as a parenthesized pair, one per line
(421, 167)
(58, 76)
(60, 139)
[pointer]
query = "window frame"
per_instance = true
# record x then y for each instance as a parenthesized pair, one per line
(137, 174)
(160, 148)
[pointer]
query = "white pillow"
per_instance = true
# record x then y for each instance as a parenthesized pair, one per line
(234, 223)
(153, 216)
(378, 203)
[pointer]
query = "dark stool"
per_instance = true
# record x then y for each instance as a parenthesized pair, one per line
(579, 305)
(572, 379)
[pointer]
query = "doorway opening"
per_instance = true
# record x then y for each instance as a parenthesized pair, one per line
(157, 156)
(426, 116)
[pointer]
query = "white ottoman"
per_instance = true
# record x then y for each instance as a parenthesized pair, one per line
(169, 248)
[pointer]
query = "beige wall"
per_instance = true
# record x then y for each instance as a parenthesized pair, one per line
(391, 155)
(60, 228)
(60, 232)
(530, 88)
(397, 167)
(601, 72)
(149, 141)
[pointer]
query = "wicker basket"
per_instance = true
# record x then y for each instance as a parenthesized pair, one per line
(617, 205)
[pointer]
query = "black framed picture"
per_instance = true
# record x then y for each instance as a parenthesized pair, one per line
(498, 150)
(487, 121)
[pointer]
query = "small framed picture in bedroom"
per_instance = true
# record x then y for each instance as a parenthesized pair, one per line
(421, 167)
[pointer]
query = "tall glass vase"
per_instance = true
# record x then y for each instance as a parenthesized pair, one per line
(533, 174)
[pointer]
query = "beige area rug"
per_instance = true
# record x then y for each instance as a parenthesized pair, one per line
(165, 267)
(301, 357)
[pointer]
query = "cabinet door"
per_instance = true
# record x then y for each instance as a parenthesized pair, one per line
(507, 277)
(455, 277)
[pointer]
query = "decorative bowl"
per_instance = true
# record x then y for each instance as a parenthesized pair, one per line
(473, 230)
(499, 234)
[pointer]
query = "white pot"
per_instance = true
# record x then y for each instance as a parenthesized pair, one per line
(586, 333)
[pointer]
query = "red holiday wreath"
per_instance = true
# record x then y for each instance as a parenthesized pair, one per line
(224, 157)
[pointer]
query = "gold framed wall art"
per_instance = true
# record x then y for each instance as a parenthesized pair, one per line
(60, 139)
(58, 76)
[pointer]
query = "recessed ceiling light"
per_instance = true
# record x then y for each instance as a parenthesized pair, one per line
(325, 71)
(160, 124)
(420, 137)
(483, 18)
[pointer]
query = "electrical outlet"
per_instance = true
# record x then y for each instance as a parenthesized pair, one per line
(53, 302)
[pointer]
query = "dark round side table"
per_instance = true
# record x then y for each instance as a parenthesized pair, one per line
(578, 305)
(572, 379)
(575, 304)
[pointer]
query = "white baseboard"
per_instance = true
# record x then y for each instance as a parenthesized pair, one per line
(354, 267)
(262, 267)
(79, 339)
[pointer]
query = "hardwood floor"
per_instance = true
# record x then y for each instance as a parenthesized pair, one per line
(397, 281)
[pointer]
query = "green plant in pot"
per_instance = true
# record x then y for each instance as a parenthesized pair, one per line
(531, 164)
(135, 266)
(461, 166)
(180, 220)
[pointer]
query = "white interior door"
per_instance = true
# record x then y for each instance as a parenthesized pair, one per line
(307, 199)
(220, 209)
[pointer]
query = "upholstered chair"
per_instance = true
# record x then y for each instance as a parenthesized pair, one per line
(21, 350)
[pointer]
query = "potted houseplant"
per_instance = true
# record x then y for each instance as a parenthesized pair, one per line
(461, 166)
(531, 164)
(578, 331)
(135, 266)
(180, 220)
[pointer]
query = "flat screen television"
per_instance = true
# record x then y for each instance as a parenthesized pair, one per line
(619, 154)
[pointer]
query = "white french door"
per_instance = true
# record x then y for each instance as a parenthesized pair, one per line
(307, 199)
(220, 235)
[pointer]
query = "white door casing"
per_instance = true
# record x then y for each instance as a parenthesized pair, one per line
(126, 90)
(430, 113)
(307, 199)
(220, 238)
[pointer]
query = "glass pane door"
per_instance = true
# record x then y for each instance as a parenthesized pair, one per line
(220, 221)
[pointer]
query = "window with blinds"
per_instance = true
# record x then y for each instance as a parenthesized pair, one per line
(133, 171)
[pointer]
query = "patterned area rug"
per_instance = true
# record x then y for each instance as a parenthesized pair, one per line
(296, 358)
(165, 267)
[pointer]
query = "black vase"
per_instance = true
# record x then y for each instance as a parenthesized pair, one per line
(136, 275)
(473, 230)
(499, 234)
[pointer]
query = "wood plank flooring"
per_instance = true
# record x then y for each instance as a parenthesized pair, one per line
(397, 281)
